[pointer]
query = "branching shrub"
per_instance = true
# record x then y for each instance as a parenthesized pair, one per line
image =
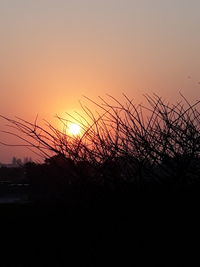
(124, 142)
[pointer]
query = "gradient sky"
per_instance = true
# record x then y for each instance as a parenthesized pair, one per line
(54, 51)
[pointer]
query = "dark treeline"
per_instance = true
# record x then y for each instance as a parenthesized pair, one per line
(125, 191)
(55, 179)
(121, 146)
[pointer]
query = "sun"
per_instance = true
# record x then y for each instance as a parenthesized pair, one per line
(74, 129)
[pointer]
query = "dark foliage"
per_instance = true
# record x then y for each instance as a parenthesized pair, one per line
(121, 145)
(124, 192)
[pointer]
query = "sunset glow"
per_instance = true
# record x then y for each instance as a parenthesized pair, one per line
(74, 129)
(54, 52)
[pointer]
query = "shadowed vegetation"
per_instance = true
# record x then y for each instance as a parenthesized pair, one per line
(122, 142)
(107, 178)
(123, 147)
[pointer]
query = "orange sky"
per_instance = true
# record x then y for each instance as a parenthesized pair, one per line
(54, 51)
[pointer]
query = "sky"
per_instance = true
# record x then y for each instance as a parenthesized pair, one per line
(52, 52)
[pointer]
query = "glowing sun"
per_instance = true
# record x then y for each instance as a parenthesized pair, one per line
(74, 129)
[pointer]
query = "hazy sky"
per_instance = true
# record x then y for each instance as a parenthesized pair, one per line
(54, 51)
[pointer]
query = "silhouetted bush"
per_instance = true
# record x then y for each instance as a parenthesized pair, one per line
(122, 143)
(112, 171)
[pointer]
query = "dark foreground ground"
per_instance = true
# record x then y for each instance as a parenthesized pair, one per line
(154, 228)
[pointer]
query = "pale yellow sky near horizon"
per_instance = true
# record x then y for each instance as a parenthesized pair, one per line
(54, 51)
